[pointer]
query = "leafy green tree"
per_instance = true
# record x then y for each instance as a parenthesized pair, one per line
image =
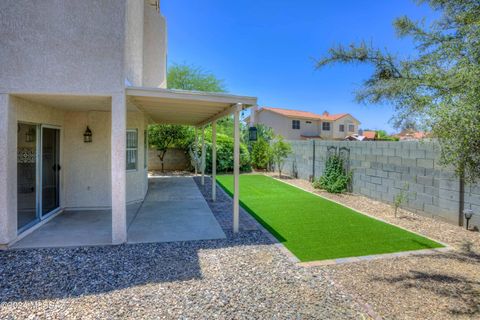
(191, 77)
(439, 85)
(280, 151)
(184, 77)
(165, 136)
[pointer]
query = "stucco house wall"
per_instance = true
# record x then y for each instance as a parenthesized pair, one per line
(308, 127)
(78, 49)
(81, 51)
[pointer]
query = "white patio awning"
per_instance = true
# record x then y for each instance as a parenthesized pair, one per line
(194, 108)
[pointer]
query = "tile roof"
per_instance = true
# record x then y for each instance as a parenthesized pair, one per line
(370, 134)
(305, 114)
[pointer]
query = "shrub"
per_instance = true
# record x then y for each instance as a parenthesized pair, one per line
(261, 154)
(334, 179)
(225, 155)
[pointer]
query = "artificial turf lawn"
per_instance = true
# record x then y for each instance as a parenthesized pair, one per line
(314, 228)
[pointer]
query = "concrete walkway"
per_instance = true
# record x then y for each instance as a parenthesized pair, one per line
(174, 210)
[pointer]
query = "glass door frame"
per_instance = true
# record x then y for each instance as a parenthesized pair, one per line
(38, 182)
(40, 174)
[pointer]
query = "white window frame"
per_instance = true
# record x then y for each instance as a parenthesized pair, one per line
(293, 126)
(131, 149)
(329, 126)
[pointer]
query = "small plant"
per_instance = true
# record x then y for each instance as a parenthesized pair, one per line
(280, 151)
(335, 179)
(400, 198)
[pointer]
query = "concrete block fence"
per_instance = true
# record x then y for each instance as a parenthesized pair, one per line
(382, 169)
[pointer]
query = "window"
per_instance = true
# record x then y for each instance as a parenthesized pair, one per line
(351, 128)
(326, 126)
(145, 149)
(308, 121)
(295, 124)
(132, 149)
(341, 128)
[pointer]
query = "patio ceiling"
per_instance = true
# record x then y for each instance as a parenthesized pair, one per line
(185, 107)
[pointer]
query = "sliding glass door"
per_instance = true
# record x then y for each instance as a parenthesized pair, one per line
(38, 173)
(50, 170)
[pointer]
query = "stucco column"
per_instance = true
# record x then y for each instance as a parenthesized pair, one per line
(236, 168)
(203, 156)
(118, 147)
(8, 170)
(214, 160)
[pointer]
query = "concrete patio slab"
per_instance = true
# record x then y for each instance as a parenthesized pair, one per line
(174, 210)
(75, 228)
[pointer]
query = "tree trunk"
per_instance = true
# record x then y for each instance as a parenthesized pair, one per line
(161, 156)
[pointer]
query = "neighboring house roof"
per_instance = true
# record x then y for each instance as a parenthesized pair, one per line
(306, 114)
(371, 135)
(412, 135)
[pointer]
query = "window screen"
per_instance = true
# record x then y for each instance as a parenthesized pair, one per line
(295, 124)
(351, 128)
(341, 128)
(132, 149)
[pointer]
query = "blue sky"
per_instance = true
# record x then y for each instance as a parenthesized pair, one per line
(265, 48)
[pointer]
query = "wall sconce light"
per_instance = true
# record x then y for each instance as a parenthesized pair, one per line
(468, 213)
(30, 135)
(252, 134)
(87, 136)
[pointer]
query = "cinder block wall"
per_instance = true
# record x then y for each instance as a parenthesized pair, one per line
(382, 169)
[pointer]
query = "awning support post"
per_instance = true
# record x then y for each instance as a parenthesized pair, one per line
(203, 156)
(214, 160)
(236, 168)
(195, 147)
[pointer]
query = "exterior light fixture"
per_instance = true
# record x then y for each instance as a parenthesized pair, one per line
(30, 135)
(468, 213)
(252, 134)
(87, 136)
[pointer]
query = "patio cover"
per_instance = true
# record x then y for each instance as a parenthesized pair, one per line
(197, 109)
(193, 108)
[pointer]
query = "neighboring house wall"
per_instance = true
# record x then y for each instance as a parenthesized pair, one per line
(381, 170)
(308, 127)
(345, 121)
(175, 159)
(280, 124)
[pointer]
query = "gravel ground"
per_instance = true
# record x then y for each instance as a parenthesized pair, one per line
(242, 277)
(439, 286)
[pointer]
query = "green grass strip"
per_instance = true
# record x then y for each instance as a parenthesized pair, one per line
(314, 228)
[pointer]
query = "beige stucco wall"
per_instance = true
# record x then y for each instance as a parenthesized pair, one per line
(154, 48)
(283, 125)
(345, 121)
(85, 174)
(62, 46)
(134, 42)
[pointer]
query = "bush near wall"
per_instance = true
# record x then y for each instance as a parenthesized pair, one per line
(225, 154)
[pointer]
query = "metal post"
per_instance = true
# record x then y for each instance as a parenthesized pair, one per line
(236, 168)
(203, 156)
(214, 160)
